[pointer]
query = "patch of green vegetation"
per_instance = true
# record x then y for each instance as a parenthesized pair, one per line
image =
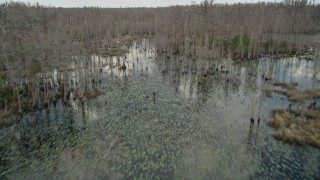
(2, 81)
(235, 41)
(217, 41)
(5, 94)
(6, 99)
(246, 41)
(282, 49)
(35, 67)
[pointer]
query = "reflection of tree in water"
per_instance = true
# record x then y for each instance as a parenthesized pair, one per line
(37, 138)
(250, 79)
(205, 76)
(251, 127)
(144, 135)
(4, 158)
(253, 136)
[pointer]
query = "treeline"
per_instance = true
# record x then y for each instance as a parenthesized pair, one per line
(46, 52)
(40, 46)
(238, 30)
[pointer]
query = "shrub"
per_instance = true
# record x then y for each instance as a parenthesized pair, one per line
(235, 41)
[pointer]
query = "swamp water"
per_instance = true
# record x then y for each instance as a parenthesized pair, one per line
(165, 118)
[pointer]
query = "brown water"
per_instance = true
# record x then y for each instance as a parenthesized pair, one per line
(165, 118)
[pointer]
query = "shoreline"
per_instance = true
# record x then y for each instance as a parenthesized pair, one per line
(288, 90)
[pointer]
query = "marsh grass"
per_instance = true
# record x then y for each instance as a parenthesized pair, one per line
(300, 126)
(295, 95)
(286, 85)
(289, 89)
(268, 92)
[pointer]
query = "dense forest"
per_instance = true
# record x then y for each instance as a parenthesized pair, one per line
(40, 46)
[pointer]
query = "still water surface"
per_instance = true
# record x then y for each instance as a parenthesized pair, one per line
(165, 118)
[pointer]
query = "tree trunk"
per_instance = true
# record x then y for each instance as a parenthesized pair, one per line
(19, 101)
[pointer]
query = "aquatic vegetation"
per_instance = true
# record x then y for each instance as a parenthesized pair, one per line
(268, 92)
(301, 126)
(146, 124)
(286, 85)
(84, 95)
(299, 96)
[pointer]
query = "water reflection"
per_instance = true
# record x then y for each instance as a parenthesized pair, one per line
(164, 117)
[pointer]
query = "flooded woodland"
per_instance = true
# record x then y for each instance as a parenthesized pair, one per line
(206, 91)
